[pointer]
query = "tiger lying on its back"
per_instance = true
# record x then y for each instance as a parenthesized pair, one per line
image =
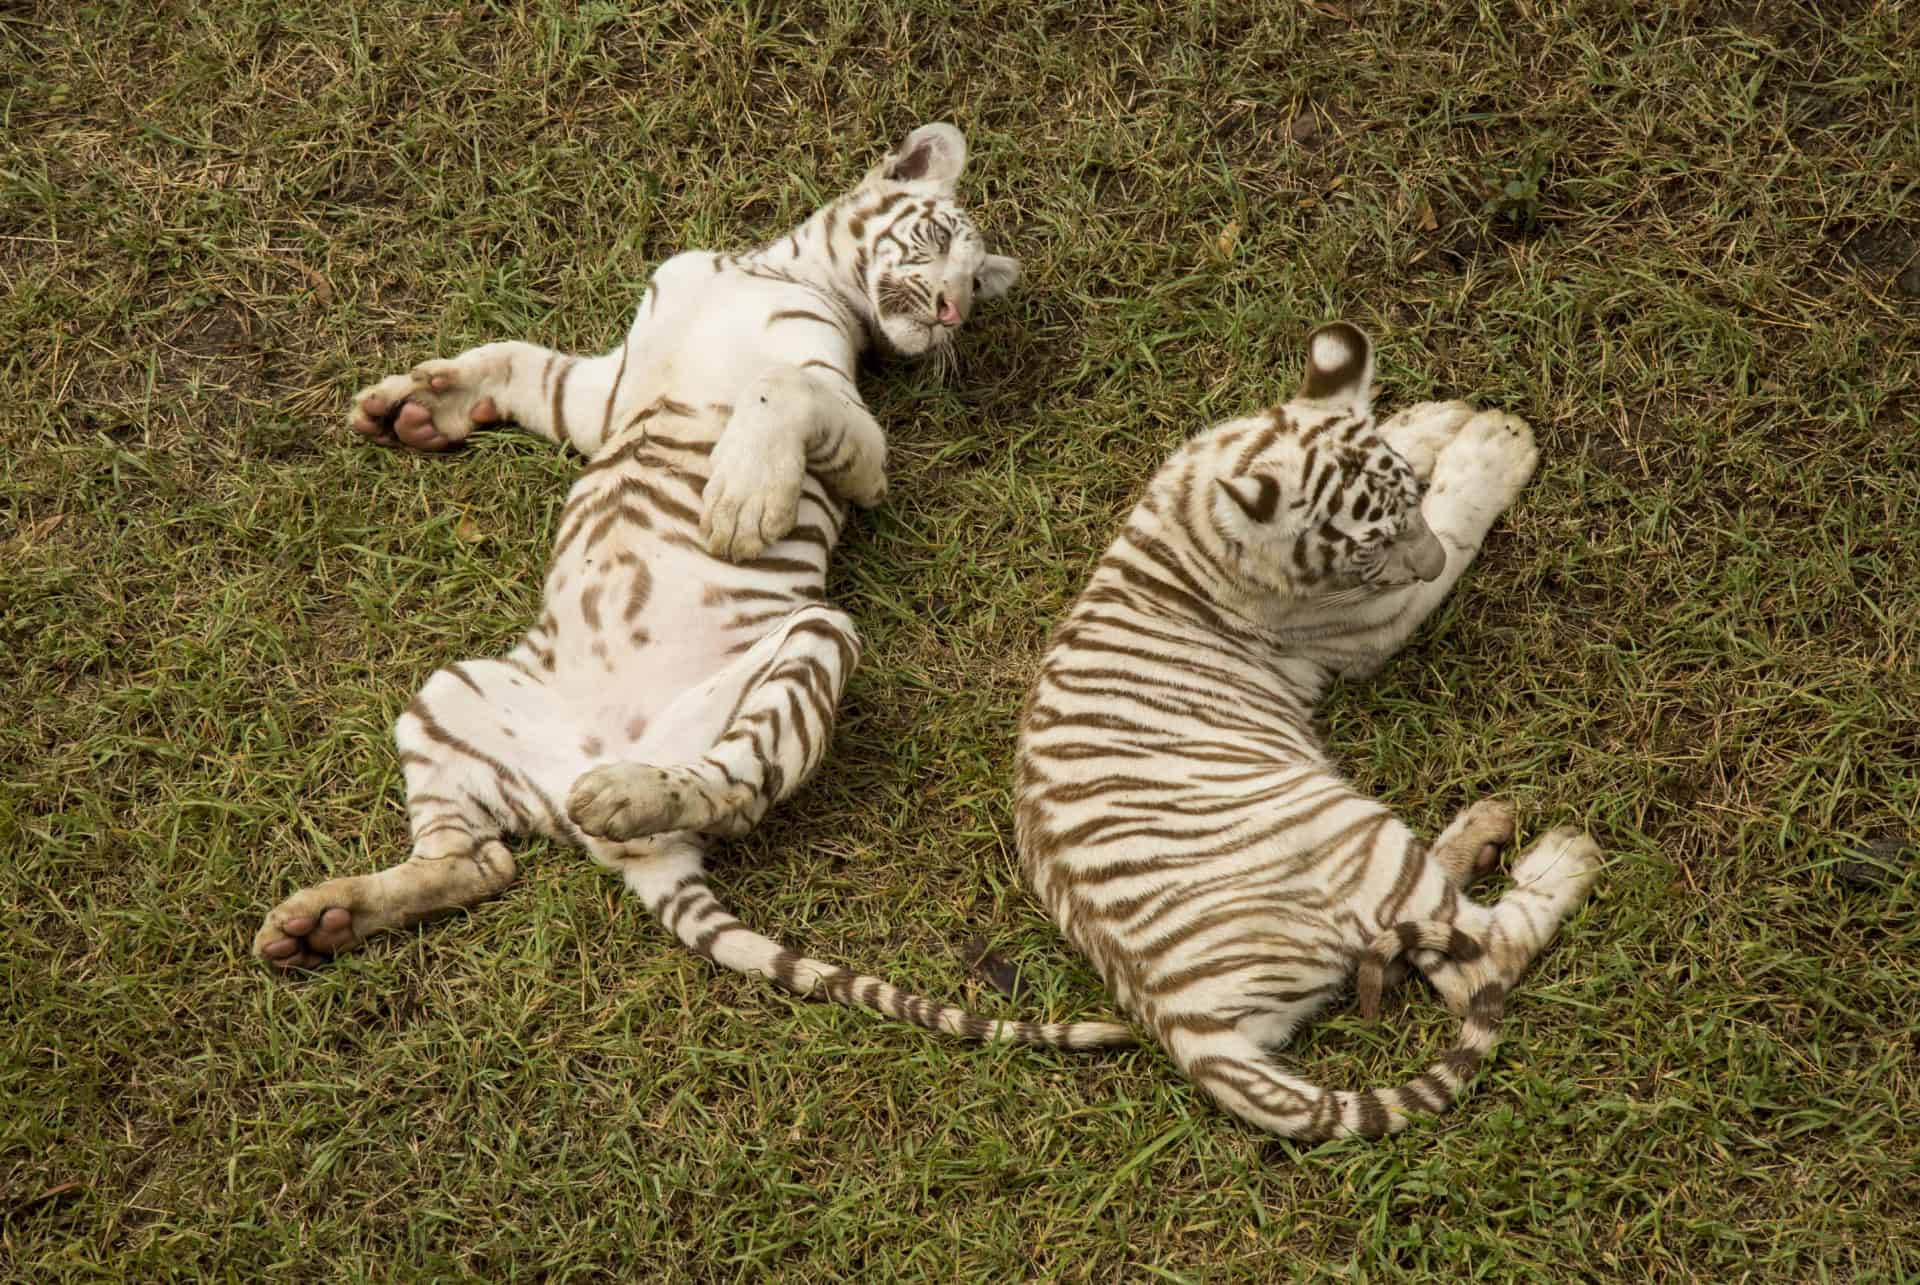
(665, 695)
(1174, 809)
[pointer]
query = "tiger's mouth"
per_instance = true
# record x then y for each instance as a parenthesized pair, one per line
(935, 319)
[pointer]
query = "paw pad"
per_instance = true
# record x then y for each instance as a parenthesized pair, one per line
(427, 409)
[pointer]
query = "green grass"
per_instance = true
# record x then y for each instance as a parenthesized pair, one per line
(1683, 240)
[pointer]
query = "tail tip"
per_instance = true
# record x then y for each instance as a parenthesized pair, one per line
(1071, 1035)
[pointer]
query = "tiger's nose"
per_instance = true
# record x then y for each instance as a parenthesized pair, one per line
(949, 314)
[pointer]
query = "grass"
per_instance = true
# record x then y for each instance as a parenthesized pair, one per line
(1683, 240)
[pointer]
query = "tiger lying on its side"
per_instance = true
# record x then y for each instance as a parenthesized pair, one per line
(1174, 808)
(683, 674)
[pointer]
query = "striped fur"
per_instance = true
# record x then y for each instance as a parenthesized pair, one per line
(1176, 811)
(684, 671)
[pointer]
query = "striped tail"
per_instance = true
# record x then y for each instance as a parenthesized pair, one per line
(676, 891)
(1241, 1077)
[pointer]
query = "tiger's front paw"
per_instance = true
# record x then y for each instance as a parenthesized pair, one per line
(431, 407)
(865, 484)
(1483, 469)
(1421, 431)
(752, 498)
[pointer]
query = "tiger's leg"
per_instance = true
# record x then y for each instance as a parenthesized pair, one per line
(1549, 882)
(483, 755)
(787, 423)
(784, 698)
(554, 395)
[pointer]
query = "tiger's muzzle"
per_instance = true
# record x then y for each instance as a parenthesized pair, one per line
(1417, 555)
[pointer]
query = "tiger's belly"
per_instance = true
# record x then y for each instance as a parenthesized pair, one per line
(641, 628)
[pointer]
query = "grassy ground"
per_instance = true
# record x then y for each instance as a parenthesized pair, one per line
(1682, 239)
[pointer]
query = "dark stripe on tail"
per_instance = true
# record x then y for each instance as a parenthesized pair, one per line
(1413, 934)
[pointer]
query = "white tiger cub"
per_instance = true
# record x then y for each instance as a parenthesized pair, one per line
(1174, 808)
(683, 673)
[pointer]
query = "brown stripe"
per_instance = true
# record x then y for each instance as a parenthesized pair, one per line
(606, 420)
(802, 314)
(1372, 1114)
(1259, 444)
(639, 589)
(1426, 1092)
(559, 396)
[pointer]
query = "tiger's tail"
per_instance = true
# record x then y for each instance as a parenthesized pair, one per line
(674, 887)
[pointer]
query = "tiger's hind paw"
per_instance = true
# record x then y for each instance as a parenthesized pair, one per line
(310, 927)
(623, 801)
(1560, 868)
(431, 407)
(1471, 844)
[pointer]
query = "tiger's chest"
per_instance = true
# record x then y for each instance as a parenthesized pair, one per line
(707, 327)
(632, 596)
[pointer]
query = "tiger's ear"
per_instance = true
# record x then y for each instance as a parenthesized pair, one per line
(995, 277)
(1255, 496)
(1339, 367)
(933, 153)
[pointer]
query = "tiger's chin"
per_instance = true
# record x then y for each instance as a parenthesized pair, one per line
(904, 337)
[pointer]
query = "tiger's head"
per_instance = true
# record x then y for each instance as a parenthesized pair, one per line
(920, 261)
(1318, 503)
